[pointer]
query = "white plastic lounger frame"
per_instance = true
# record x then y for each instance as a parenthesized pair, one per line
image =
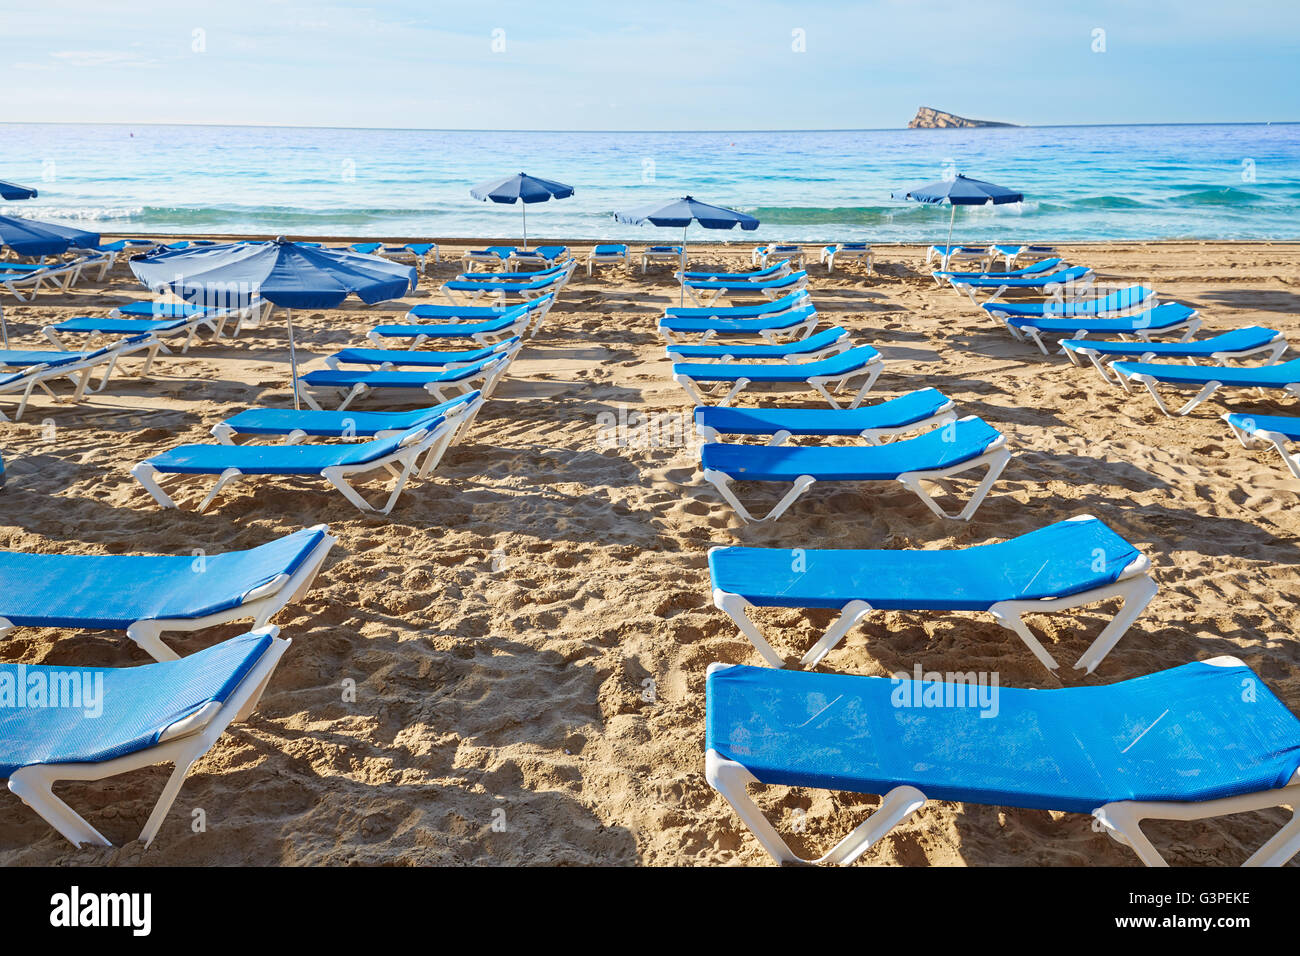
(995, 458)
(79, 373)
(709, 297)
(651, 254)
(595, 258)
(63, 274)
(1186, 329)
(1122, 820)
(824, 385)
(1102, 364)
(1134, 586)
(1261, 437)
(1208, 389)
(760, 255)
(872, 436)
(838, 251)
(488, 378)
(181, 745)
(261, 604)
(400, 464)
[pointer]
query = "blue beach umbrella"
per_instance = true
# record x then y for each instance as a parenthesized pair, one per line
(292, 275)
(680, 213)
(960, 191)
(27, 237)
(523, 189)
(14, 191)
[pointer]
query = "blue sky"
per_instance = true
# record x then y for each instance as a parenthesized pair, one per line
(667, 64)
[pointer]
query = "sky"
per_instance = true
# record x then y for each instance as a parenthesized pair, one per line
(663, 65)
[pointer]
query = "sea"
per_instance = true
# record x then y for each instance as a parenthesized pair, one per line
(1080, 182)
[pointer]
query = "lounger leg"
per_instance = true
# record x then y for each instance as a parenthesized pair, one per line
(34, 786)
(225, 478)
(853, 613)
(336, 476)
(996, 460)
(1123, 821)
(1136, 594)
(723, 483)
(147, 475)
(730, 778)
(735, 607)
(147, 634)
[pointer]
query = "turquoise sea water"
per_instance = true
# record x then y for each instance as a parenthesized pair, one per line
(1099, 182)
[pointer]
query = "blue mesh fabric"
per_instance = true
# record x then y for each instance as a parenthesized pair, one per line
(1195, 732)
(1059, 560)
(842, 364)
(139, 703)
(939, 448)
(895, 413)
(115, 591)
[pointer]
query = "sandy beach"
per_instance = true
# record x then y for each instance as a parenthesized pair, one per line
(529, 630)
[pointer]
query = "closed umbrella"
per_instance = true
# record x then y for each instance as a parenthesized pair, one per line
(523, 189)
(960, 191)
(288, 274)
(680, 213)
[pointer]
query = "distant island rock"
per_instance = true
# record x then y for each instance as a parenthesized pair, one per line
(929, 118)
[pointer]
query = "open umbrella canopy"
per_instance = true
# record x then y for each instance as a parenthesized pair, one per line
(289, 274)
(521, 188)
(14, 191)
(961, 191)
(680, 213)
(27, 237)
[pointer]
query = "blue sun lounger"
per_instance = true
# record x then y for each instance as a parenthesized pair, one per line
(540, 255)
(252, 313)
(848, 252)
(416, 252)
(824, 376)
(777, 270)
(1116, 303)
(336, 463)
(966, 444)
(1235, 345)
(161, 329)
(1162, 320)
(417, 358)
(509, 325)
(824, 343)
(1276, 430)
(492, 255)
(704, 293)
(1073, 281)
(22, 371)
(915, 411)
(606, 253)
(1208, 379)
(1011, 253)
(297, 424)
(442, 384)
(533, 309)
(1043, 266)
(950, 254)
(675, 254)
(148, 595)
(502, 291)
(527, 275)
(790, 251)
(170, 712)
(1179, 744)
(790, 317)
(1065, 565)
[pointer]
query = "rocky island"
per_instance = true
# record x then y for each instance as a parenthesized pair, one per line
(929, 118)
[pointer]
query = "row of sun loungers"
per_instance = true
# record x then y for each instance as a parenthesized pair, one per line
(1174, 745)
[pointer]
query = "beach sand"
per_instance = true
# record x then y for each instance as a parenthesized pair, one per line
(530, 629)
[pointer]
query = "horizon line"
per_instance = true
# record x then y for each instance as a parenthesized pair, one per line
(828, 129)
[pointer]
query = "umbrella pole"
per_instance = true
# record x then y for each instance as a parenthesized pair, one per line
(4, 326)
(524, 208)
(293, 357)
(681, 301)
(947, 250)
